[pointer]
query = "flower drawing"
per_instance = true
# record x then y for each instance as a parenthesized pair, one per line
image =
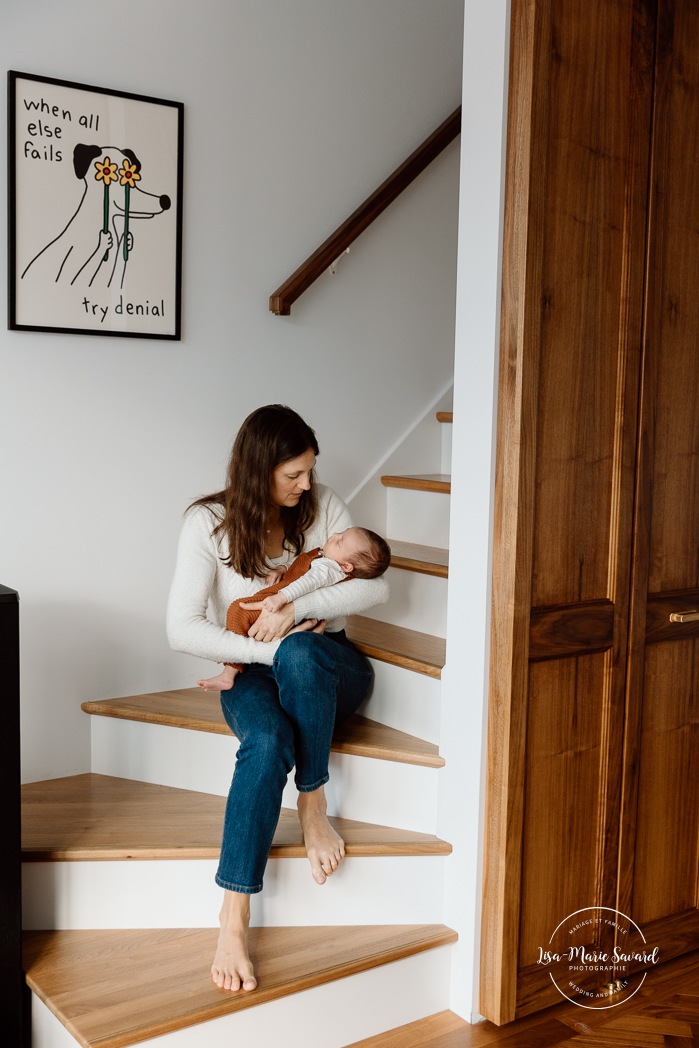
(129, 178)
(106, 171)
(129, 174)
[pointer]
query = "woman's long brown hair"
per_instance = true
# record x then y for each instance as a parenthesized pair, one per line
(270, 436)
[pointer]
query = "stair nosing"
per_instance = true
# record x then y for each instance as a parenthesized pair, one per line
(68, 807)
(423, 753)
(428, 1032)
(175, 957)
(418, 558)
(397, 645)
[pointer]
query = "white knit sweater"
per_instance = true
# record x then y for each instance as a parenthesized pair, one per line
(203, 587)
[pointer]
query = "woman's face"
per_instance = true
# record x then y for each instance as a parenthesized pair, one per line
(291, 479)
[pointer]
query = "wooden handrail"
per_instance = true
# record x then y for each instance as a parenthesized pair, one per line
(281, 300)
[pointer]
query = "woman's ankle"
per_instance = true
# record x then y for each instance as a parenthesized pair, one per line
(313, 801)
(235, 909)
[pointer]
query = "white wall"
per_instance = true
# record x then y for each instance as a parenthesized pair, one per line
(465, 677)
(294, 114)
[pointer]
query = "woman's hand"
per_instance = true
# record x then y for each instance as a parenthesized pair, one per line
(270, 625)
(275, 575)
(314, 625)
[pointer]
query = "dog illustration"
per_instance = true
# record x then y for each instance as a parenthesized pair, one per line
(97, 238)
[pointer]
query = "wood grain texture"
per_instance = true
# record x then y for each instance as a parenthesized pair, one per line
(368, 738)
(281, 300)
(397, 645)
(426, 560)
(660, 606)
(439, 483)
(573, 629)
(667, 812)
(665, 1014)
(660, 837)
(669, 421)
(573, 272)
(525, 173)
(566, 783)
(112, 989)
(100, 817)
(197, 710)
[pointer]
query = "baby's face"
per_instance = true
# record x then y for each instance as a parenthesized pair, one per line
(344, 546)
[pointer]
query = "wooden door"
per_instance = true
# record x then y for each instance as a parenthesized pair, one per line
(579, 114)
(660, 841)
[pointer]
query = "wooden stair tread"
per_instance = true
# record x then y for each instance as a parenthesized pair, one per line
(426, 560)
(441, 1030)
(100, 817)
(111, 989)
(397, 645)
(198, 710)
(445, 416)
(439, 482)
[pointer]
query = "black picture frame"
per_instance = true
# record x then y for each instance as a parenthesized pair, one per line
(95, 210)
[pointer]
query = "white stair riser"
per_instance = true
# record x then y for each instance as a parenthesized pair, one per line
(329, 1016)
(47, 1031)
(447, 430)
(364, 788)
(418, 516)
(182, 893)
(418, 602)
(385, 792)
(405, 700)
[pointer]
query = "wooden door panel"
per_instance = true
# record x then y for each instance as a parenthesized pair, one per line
(582, 273)
(672, 339)
(573, 266)
(660, 835)
(667, 838)
(568, 726)
(593, 723)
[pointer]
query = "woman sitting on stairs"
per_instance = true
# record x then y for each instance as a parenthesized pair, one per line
(302, 675)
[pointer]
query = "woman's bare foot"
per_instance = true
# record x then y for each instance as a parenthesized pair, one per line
(223, 681)
(324, 847)
(232, 967)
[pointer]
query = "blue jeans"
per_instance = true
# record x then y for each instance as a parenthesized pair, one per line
(283, 715)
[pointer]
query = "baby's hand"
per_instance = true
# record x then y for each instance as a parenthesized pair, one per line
(275, 602)
(276, 575)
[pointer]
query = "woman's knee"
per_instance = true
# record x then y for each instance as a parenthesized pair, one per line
(269, 747)
(302, 653)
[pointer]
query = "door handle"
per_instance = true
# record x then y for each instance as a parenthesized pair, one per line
(684, 616)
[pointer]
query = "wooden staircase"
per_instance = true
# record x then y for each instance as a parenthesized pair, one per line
(155, 982)
(91, 817)
(119, 863)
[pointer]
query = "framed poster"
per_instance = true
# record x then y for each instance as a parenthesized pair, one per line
(95, 210)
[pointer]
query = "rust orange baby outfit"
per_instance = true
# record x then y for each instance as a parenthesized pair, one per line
(239, 620)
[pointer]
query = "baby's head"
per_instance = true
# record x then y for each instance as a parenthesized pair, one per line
(360, 553)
